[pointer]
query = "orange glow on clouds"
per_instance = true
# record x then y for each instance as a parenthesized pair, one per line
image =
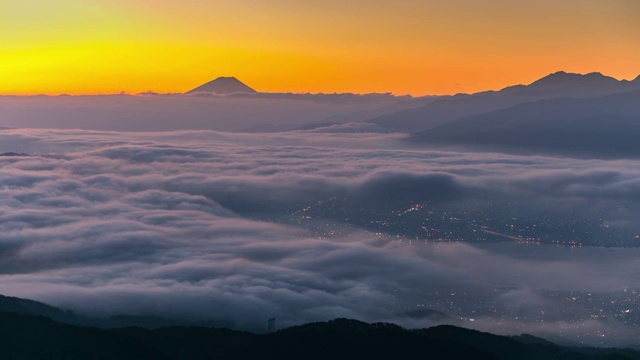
(405, 46)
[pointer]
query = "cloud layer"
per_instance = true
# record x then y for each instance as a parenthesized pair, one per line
(185, 224)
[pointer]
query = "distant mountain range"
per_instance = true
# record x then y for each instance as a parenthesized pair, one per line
(511, 119)
(515, 118)
(567, 114)
(450, 108)
(602, 127)
(28, 331)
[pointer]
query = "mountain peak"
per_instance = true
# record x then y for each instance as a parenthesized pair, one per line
(224, 86)
(562, 80)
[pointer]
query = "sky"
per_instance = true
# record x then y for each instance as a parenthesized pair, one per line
(405, 47)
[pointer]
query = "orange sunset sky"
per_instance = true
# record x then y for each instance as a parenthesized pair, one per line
(404, 46)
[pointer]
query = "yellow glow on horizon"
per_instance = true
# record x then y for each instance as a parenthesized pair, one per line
(406, 46)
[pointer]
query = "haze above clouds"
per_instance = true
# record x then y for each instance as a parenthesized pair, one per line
(261, 112)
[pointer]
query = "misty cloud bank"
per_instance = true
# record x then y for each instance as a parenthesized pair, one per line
(255, 113)
(178, 224)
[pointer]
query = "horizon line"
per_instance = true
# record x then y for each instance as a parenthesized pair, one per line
(154, 93)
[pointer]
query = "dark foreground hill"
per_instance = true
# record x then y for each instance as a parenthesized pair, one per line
(36, 337)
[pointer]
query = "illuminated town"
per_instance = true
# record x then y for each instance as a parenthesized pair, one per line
(467, 222)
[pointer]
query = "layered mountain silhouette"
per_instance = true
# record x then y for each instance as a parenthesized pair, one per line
(450, 108)
(29, 307)
(602, 127)
(223, 86)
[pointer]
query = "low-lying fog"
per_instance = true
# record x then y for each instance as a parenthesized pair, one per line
(237, 228)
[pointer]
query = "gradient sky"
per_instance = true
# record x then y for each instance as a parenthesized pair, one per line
(406, 46)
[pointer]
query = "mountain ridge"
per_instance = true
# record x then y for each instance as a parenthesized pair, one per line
(600, 127)
(450, 108)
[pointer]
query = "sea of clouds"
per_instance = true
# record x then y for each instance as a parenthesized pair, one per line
(173, 224)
